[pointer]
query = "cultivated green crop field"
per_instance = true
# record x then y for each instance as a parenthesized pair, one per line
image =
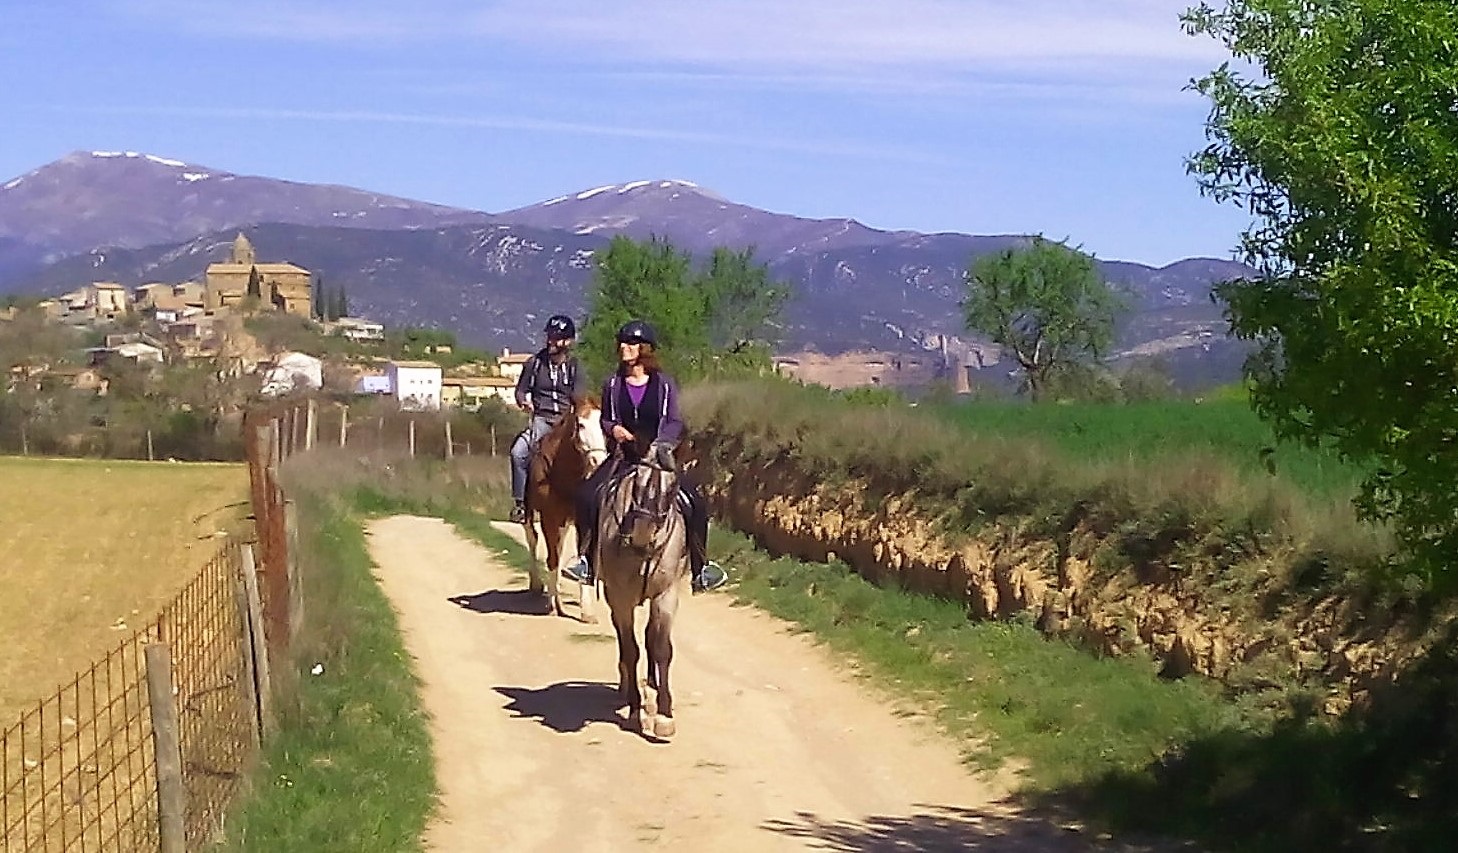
(1162, 432)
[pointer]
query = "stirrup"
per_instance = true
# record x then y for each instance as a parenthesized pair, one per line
(579, 570)
(711, 577)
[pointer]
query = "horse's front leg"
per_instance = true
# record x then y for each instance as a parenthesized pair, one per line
(658, 636)
(552, 524)
(534, 572)
(628, 665)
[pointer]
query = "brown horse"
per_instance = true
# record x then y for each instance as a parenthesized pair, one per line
(642, 552)
(565, 456)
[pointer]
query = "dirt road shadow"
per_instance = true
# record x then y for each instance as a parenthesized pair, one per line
(520, 602)
(934, 828)
(567, 706)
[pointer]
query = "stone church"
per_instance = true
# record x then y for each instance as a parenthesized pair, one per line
(283, 287)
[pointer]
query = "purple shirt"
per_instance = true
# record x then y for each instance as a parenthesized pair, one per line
(670, 422)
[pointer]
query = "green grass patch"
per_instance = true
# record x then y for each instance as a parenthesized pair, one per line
(1160, 433)
(1003, 688)
(350, 767)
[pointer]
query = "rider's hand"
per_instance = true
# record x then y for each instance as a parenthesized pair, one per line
(621, 433)
(526, 407)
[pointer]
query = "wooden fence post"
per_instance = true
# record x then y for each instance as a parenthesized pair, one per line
(150, 456)
(167, 745)
(245, 654)
(343, 426)
(276, 567)
(310, 425)
(493, 440)
(450, 452)
(256, 651)
(412, 438)
(295, 583)
(24, 440)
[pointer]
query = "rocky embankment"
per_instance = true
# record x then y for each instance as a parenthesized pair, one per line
(1187, 617)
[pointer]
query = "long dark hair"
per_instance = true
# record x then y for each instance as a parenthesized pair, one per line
(646, 357)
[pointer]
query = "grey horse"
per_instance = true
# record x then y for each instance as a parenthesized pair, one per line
(642, 556)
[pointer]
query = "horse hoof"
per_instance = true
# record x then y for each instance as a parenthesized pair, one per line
(664, 727)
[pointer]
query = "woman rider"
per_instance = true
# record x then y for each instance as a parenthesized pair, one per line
(640, 407)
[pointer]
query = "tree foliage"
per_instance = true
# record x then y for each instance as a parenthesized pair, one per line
(1045, 304)
(723, 314)
(1342, 143)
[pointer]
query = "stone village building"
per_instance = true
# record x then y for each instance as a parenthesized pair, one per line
(283, 287)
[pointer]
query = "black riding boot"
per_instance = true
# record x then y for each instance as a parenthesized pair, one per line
(587, 508)
(705, 574)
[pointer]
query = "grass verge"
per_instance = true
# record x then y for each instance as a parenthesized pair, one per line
(350, 767)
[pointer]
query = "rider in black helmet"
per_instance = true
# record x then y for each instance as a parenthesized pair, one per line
(639, 409)
(549, 387)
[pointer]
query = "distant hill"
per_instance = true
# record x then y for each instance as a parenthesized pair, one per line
(493, 276)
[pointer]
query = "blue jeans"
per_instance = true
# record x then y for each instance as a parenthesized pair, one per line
(521, 454)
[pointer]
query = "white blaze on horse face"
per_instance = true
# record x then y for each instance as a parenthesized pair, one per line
(590, 438)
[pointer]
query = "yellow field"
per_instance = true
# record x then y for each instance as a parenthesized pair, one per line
(91, 549)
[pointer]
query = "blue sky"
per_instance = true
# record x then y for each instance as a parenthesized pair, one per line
(1065, 117)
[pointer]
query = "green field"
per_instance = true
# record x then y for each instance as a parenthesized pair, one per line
(1162, 432)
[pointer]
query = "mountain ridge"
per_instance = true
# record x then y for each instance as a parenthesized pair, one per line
(854, 287)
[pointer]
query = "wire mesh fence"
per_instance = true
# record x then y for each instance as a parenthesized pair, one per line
(78, 771)
(81, 769)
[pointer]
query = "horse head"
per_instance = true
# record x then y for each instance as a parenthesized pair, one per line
(588, 436)
(646, 500)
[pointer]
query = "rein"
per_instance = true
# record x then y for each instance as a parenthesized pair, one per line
(635, 515)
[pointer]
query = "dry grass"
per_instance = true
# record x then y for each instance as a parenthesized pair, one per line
(93, 548)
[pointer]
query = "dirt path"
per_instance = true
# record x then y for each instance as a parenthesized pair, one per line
(776, 749)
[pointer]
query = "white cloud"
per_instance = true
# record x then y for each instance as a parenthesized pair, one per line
(740, 35)
(515, 123)
(1128, 52)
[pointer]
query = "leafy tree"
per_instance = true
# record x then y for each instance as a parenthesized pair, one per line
(341, 303)
(1045, 304)
(255, 283)
(319, 298)
(1343, 146)
(704, 318)
(743, 303)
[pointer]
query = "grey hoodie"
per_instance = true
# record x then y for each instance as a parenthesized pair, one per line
(550, 388)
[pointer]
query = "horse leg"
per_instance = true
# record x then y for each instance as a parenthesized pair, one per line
(552, 523)
(535, 571)
(628, 665)
(658, 637)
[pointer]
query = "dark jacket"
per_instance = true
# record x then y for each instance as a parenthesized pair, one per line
(551, 388)
(655, 419)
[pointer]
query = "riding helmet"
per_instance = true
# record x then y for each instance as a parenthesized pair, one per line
(560, 327)
(637, 332)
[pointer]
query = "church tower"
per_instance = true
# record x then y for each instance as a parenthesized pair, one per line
(243, 251)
